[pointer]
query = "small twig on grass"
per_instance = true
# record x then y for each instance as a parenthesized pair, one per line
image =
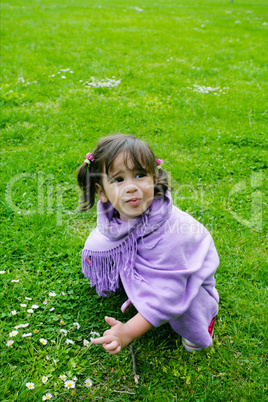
(134, 365)
(124, 392)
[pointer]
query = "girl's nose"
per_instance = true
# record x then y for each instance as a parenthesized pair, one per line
(131, 188)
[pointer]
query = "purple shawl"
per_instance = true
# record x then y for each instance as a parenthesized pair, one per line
(166, 261)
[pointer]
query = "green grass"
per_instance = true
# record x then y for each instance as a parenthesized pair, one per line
(215, 149)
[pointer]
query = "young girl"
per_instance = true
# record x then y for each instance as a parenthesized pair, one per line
(164, 259)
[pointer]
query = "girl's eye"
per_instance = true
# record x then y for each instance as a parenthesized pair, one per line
(117, 180)
(140, 175)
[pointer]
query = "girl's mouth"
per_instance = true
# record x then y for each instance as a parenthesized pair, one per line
(134, 201)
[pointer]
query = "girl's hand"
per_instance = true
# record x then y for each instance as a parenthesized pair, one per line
(115, 338)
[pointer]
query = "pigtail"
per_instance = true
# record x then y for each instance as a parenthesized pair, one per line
(162, 185)
(86, 182)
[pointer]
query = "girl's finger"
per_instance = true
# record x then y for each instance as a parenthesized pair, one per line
(101, 340)
(111, 321)
(111, 347)
(114, 352)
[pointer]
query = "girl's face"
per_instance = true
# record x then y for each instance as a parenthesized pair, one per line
(130, 192)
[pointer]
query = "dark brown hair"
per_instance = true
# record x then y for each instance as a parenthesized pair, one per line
(141, 156)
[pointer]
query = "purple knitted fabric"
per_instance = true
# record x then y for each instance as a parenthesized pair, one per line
(166, 261)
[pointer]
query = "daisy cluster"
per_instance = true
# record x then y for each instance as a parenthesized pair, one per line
(43, 341)
(23, 330)
(103, 83)
(138, 9)
(64, 72)
(205, 90)
(33, 307)
(25, 83)
(70, 384)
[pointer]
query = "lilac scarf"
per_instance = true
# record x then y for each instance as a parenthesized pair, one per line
(166, 261)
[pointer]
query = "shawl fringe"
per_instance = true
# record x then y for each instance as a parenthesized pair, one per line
(102, 268)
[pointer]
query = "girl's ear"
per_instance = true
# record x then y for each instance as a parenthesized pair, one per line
(101, 193)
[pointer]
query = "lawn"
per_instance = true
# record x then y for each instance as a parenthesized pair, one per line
(189, 78)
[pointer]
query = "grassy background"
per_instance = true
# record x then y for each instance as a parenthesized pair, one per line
(215, 149)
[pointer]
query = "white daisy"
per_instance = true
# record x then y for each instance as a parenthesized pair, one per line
(69, 384)
(14, 312)
(2, 272)
(30, 311)
(76, 325)
(23, 305)
(27, 335)
(35, 306)
(63, 331)
(28, 298)
(44, 379)
(52, 309)
(88, 383)
(52, 294)
(86, 343)
(21, 326)
(63, 377)
(10, 343)
(47, 397)
(13, 333)
(14, 280)
(43, 341)
(30, 385)
(47, 357)
(75, 378)
(69, 341)
(94, 333)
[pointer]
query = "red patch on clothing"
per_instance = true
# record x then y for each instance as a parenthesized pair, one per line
(211, 326)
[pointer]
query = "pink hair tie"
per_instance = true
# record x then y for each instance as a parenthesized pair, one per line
(89, 158)
(159, 163)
